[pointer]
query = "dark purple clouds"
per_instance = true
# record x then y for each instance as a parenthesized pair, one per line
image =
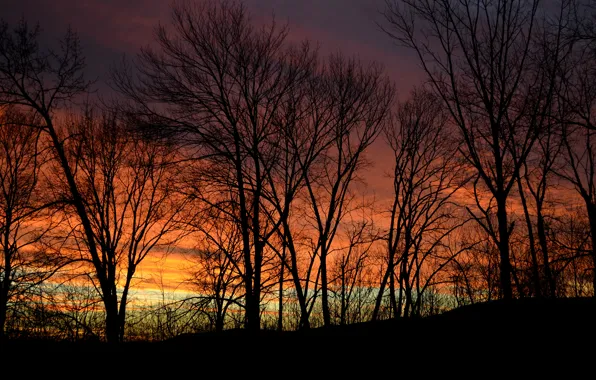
(111, 28)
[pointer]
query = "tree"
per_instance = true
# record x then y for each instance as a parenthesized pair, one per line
(576, 101)
(360, 98)
(25, 219)
(218, 86)
(538, 174)
(128, 188)
(489, 63)
(573, 265)
(216, 273)
(352, 281)
(426, 175)
(41, 82)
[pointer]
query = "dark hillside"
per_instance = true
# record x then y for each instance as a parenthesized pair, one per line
(531, 328)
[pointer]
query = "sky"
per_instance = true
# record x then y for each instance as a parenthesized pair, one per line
(112, 29)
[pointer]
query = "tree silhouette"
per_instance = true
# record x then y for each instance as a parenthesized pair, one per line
(42, 82)
(576, 99)
(25, 218)
(426, 175)
(360, 98)
(222, 82)
(489, 64)
(229, 90)
(128, 188)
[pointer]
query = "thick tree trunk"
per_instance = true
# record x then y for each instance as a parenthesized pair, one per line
(392, 297)
(252, 314)
(219, 321)
(112, 319)
(123, 302)
(249, 319)
(304, 314)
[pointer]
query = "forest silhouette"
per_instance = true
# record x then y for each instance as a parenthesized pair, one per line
(227, 144)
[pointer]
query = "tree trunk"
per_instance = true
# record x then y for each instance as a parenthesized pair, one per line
(324, 287)
(304, 314)
(388, 272)
(505, 262)
(531, 240)
(220, 313)
(112, 320)
(249, 322)
(123, 301)
(388, 276)
(552, 286)
(592, 216)
(219, 321)
(392, 298)
(280, 307)
(3, 308)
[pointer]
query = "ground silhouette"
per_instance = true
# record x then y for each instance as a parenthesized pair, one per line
(540, 333)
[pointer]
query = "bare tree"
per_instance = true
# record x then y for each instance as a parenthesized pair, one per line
(352, 280)
(538, 174)
(360, 101)
(42, 82)
(474, 274)
(222, 86)
(576, 100)
(217, 272)
(75, 310)
(581, 172)
(487, 62)
(25, 218)
(426, 175)
(305, 136)
(571, 239)
(128, 188)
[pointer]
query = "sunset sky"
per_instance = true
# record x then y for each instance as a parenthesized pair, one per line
(111, 29)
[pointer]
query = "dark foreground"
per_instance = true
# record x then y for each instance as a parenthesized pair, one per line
(532, 335)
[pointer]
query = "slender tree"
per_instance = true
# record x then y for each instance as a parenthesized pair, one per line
(217, 269)
(426, 175)
(43, 82)
(576, 100)
(360, 102)
(25, 218)
(128, 188)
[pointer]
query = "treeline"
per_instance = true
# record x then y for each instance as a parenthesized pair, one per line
(248, 154)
